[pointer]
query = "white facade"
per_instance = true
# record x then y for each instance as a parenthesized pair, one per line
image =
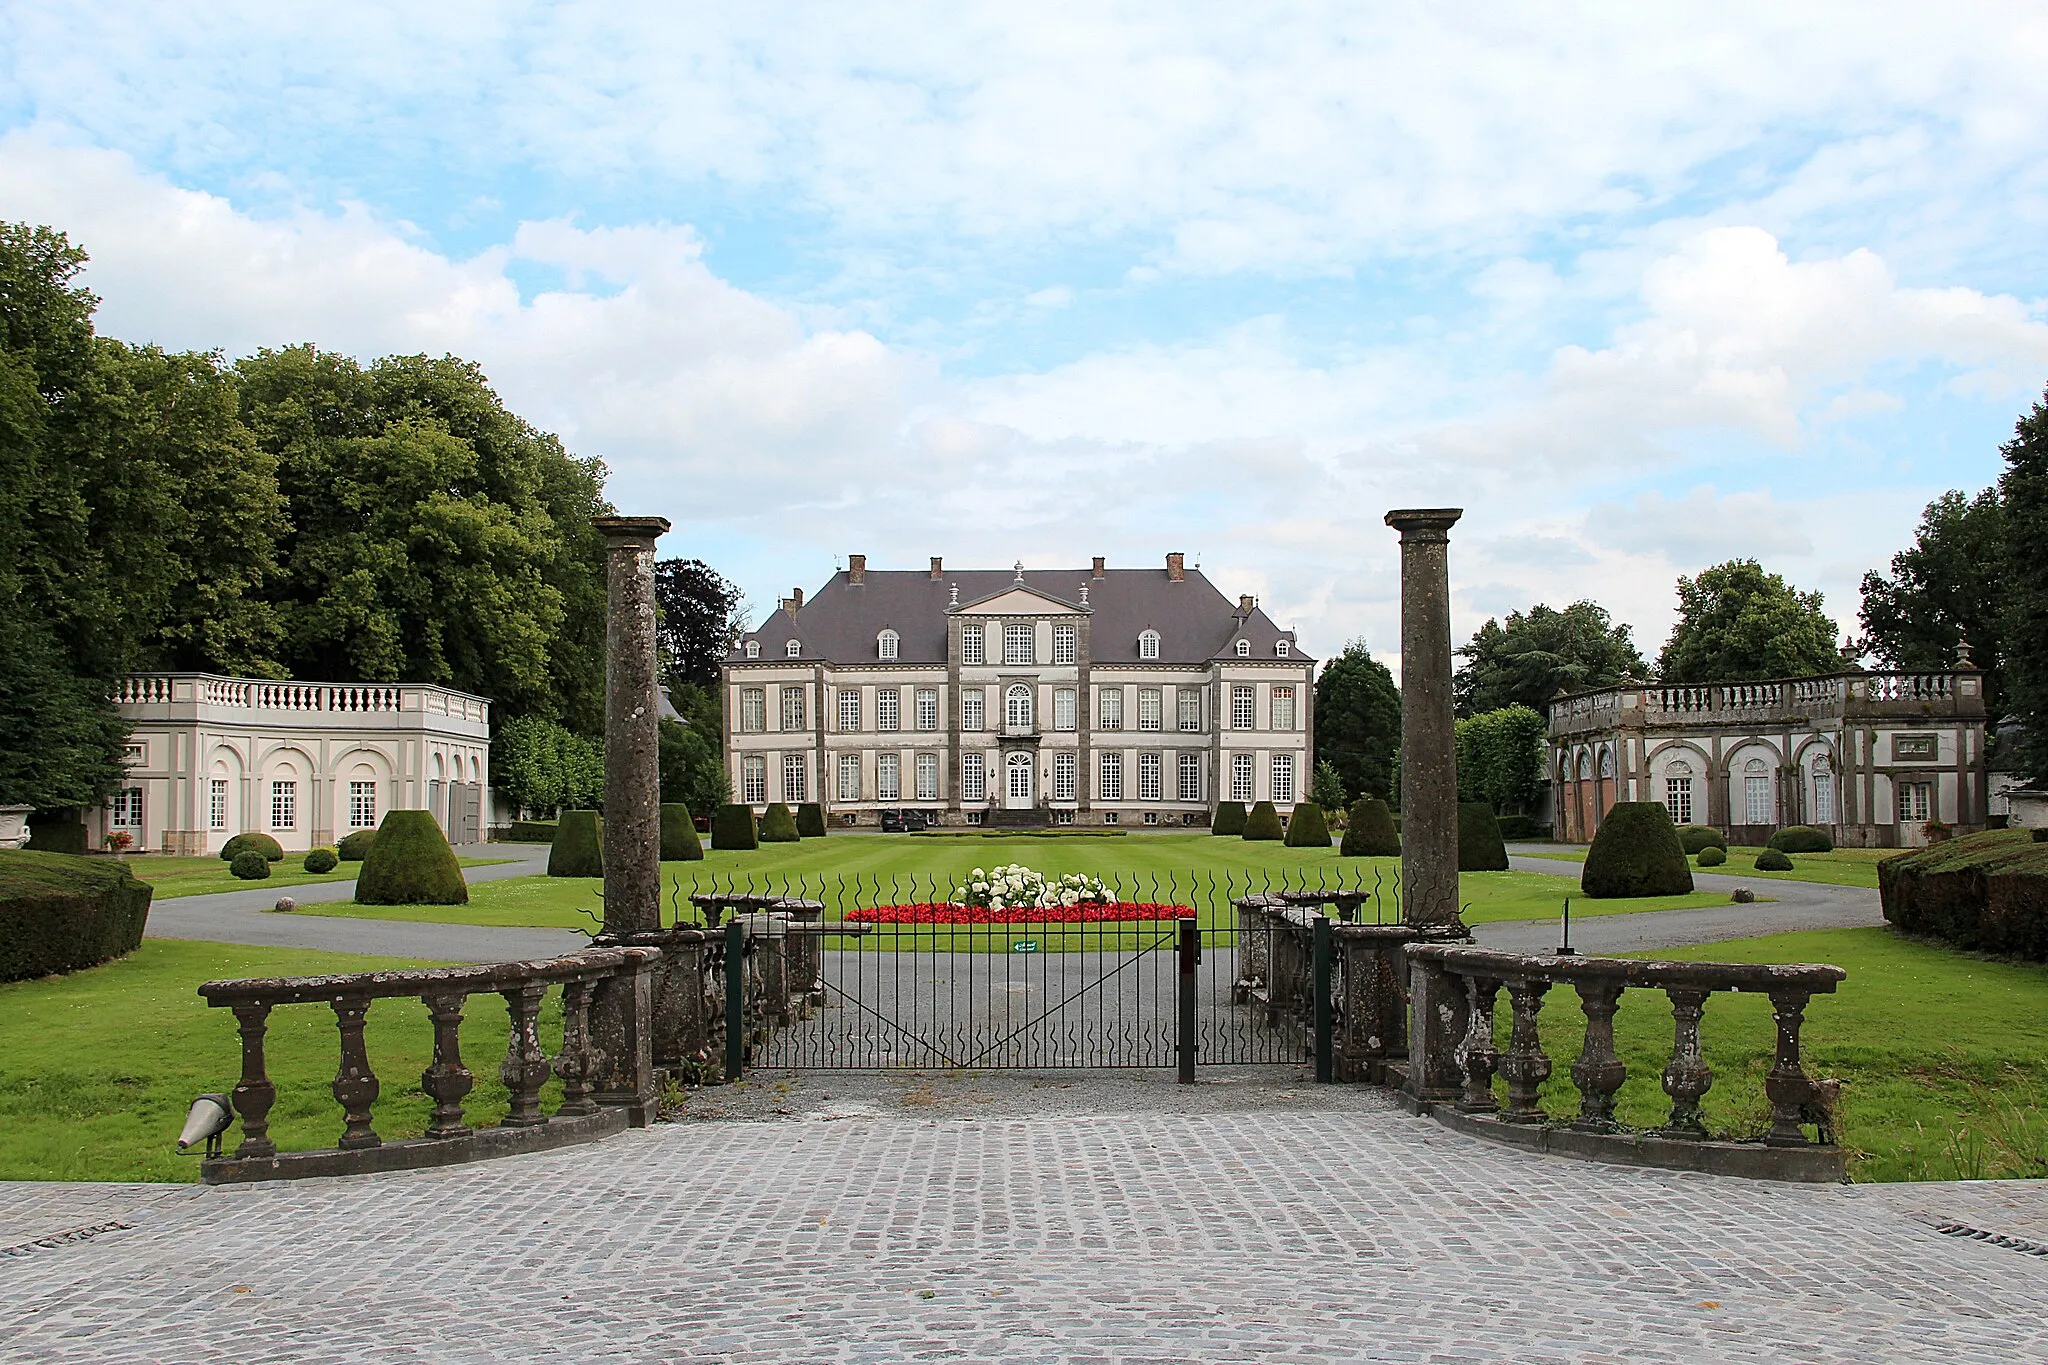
(211, 757)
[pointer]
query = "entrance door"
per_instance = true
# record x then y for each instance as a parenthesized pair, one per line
(1017, 784)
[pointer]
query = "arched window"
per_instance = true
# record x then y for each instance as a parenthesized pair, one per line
(1607, 763)
(1148, 644)
(1823, 812)
(885, 644)
(1244, 649)
(793, 649)
(1279, 649)
(753, 649)
(1756, 792)
(1585, 766)
(1017, 709)
(1678, 791)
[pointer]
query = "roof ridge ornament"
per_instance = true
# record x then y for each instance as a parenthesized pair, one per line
(1020, 571)
(956, 596)
(1084, 594)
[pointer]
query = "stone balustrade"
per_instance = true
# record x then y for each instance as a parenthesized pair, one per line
(296, 698)
(1785, 700)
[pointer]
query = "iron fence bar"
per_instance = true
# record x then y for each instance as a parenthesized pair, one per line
(735, 999)
(1325, 1056)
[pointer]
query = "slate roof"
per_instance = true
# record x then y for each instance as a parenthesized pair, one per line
(1196, 623)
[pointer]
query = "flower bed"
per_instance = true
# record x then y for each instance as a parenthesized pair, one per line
(1088, 912)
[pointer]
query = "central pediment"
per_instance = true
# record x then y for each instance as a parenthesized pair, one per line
(1017, 600)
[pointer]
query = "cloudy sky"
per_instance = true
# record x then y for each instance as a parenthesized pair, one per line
(1045, 281)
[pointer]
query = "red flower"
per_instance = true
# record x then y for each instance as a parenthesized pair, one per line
(944, 913)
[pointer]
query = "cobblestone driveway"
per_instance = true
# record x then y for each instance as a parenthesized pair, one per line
(1012, 1219)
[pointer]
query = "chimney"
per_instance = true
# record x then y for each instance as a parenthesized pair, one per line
(938, 568)
(1247, 604)
(1176, 570)
(856, 568)
(794, 602)
(1098, 568)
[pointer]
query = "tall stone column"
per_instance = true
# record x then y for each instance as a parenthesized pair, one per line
(1429, 759)
(632, 778)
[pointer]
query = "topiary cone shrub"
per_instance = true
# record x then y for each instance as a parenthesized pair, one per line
(578, 850)
(252, 839)
(679, 841)
(733, 827)
(353, 848)
(322, 860)
(1636, 853)
(810, 821)
(1308, 828)
(1229, 818)
(1983, 892)
(61, 913)
(250, 865)
(1713, 855)
(1803, 839)
(1369, 831)
(1699, 838)
(1480, 847)
(1263, 822)
(1773, 860)
(778, 826)
(411, 864)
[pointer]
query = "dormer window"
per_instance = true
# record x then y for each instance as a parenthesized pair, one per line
(794, 649)
(1244, 649)
(885, 644)
(753, 649)
(1148, 645)
(1279, 649)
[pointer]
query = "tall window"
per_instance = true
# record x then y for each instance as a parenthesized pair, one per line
(1916, 799)
(1064, 650)
(1678, 793)
(927, 777)
(753, 709)
(793, 778)
(1151, 786)
(1017, 709)
(128, 808)
(887, 702)
(362, 804)
(1112, 784)
(1756, 791)
(1063, 708)
(1283, 777)
(1148, 644)
(849, 777)
(889, 777)
(1241, 706)
(974, 709)
(754, 780)
(1150, 708)
(1241, 777)
(1110, 711)
(1064, 767)
(927, 708)
(973, 778)
(1190, 777)
(849, 709)
(1823, 797)
(284, 805)
(1283, 708)
(793, 709)
(973, 645)
(885, 644)
(1019, 643)
(1189, 702)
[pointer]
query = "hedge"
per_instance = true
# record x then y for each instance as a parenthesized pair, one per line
(1803, 839)
(1985, 892)
(57, 836)
(1773, 860)
(1521, 827)
(353, 848)
(531, 832)
(1263, 822)
(679, 841)
(64, 912)
(810, 820)
(578, 849)
(1636, 853)
(411, 864)
(1369, 831)
(733, 827)
(1480, 847)
(1308, 828)
(1699, 838)
(1229, 818)
(778, 826)
(252, 840)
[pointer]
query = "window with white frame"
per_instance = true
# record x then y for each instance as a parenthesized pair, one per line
(793, 650)
(1756, 791)
(1111, 785)
(1148, 644)
(1020, 643)
(128, 808)
(1241, 777)
(974, 709)
(1063, 708)
(849, 777)
(1017, 709)
(753, 649)
(1151, 784)
(888, 715)
(849, 710)
(1916, 800)
(362, 804)
(973, 778)
(1283, 777)
(1189, 702)
(1678, 793)
(1190, 779)
(1244, 649)
(284, 805)
(885, 644)
(1151, 708)
(1243, 706)
(888, 777)
(1064, 768)
(973, 645)
(753, 709)
(754, 780)
(1280, 649)
(1283, 708)
(793, 709)
(1823, 796)
(1065, 648)
(1109, 710)
(793, 779)
(927, 708)
(927, 777)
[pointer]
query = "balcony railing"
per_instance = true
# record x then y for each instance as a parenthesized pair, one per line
(257, 694)
(1957, 692)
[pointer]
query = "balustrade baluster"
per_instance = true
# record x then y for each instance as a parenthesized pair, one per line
(1478, 1057)
(578, 1060)
(1688, 1078)
(447, 1080)
(1788, 1085)
(526, 1067)
(1525, 1066)
(1598, 1072)
(355, 1085)
(254, 1093)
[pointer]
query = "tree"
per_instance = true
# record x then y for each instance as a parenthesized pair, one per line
(1358, 721)
(545, 767)
(698, 621)
(1500, 758)
(691, 757)
(1326, 787)
(1945, 590)
(2023, 489)
(1535, 655)
(1735, 622)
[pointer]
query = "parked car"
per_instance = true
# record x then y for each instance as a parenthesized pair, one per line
(904, 821)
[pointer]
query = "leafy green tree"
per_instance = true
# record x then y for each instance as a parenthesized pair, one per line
(1735, 622)
(699, 622)
(1533, 655)
(2023, 489)
(1326, 787)
(545, 767)
(1946, 589)
(1358, 721)
(691, 760)
(1500, 758)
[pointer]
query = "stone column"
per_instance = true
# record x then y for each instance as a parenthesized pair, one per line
(632, 780)
(1429, 761)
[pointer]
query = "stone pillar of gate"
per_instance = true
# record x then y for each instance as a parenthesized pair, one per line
(1429, 762)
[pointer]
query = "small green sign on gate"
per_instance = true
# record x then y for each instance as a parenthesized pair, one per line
(1024, 945)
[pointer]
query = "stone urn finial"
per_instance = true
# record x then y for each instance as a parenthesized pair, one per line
(14, 825)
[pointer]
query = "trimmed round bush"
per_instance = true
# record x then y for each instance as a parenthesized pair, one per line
(1480, 847)
(322, 860)
(1699, 838)
(578, 850)
(1229, 819)
(61, 913)
(1803, 839)
(252, 839)
(250, 865)
(679, 841)
(810, 820)
(1308, 828)
(1636, 853)
(1263, 822)
(1773, 860)
(733, 827)
(353, 848)
(411, 864)
(1369, 831)
(1713, 855)
(778, 826)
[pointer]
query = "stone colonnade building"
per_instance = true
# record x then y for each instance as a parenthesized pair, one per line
(210, 757)
(1872, 756)
(1089, 696)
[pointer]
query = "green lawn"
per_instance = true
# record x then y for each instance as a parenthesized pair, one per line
(199, 876)
(1843, 867)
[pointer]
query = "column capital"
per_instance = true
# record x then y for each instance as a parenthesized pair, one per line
(625, 529)
(1424, 523)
